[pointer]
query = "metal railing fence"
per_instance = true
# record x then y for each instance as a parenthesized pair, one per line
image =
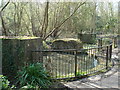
(71, 63)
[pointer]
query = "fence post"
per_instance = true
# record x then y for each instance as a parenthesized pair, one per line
(75, 63)
(107, 58)
(99, 43)
(115, 42)
(110, 52)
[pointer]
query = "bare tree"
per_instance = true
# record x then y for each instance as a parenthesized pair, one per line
(52, 31)
(5, 32)
(45, 21)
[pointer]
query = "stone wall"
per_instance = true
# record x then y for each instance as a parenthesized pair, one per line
(67, 43)
(87, 38)
(17, 52)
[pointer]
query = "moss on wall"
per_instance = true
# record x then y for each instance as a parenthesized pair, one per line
(16, 52)
(87, 38)
(67, 43)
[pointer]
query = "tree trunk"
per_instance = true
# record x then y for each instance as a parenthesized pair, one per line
(45, 22)
(32, 20)
(3, 23)
(52, 31)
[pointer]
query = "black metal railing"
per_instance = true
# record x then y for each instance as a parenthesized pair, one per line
(106, 40)
(70, 63)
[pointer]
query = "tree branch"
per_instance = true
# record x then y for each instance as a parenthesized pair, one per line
(4, 6)
(45, 21)
(3, 23)
(50, 33)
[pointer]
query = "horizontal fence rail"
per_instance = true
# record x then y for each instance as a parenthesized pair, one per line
(70, 63)
(106, 40)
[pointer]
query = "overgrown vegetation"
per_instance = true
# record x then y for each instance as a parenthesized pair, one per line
(51, 22)
(56, 20)
(16, 52)
(34, 75)
(5, 83)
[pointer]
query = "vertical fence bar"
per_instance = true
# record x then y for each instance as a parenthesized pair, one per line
(75, 63)
(107, 58)
(90, 59)
(99, 43)
(68, 61)
(56, 65)
(59, 63)
(115, 42)
(62, 65)
(110, 52)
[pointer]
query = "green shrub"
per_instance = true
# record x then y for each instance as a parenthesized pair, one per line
(34, 75)
(81, 73)
(5, 82)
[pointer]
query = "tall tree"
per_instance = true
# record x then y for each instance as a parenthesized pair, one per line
(5, 32)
